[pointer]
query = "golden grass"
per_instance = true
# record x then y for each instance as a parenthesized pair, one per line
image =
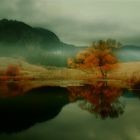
(35, 76)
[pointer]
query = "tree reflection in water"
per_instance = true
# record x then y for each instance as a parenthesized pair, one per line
(136, 89)
(41, 104)
(10, 88)
(100, 99)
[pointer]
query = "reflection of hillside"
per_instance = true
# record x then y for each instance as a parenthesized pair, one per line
(136, 89)
(9, 89)
(38, 105)
(99, 99)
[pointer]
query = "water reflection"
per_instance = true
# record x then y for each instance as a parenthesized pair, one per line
(10, 88)
(38, 105)
(18, 113)
(136, 89)
(100, 99)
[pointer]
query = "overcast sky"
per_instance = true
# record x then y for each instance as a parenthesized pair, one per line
(79, 21)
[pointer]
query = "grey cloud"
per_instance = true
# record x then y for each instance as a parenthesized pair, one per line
(81, 21)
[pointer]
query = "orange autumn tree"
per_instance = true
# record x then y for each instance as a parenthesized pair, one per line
(98, 56)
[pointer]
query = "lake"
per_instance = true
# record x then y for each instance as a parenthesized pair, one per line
(76, 112)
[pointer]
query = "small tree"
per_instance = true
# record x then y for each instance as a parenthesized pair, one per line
(12, 70)
(99, 56)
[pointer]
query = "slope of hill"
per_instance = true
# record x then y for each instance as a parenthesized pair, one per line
(43, 47)
(37, 45)
(18, 33)
(128, 70)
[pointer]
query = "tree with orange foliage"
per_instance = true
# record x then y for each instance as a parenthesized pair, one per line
(12, 70)
(99, 56)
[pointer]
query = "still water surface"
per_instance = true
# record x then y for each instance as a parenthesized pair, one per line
(52, 113)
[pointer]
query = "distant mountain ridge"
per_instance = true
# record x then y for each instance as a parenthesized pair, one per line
(38, 45)
(41, 46)
(128, 53)
(16, 32)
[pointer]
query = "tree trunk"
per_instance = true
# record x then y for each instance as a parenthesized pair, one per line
(104, 75)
